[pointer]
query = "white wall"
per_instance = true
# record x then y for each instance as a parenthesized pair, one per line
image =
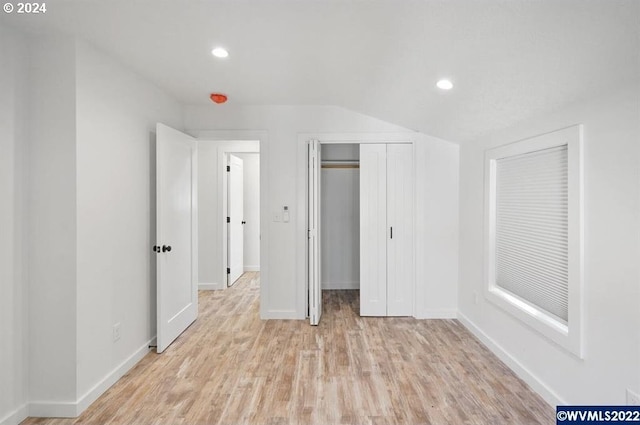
(611, 267)
(251, 210)
(78, 143)
(340, 219)
(283, 170)
(117, 111)
(52, 224)
(14, 72)
(437, 208)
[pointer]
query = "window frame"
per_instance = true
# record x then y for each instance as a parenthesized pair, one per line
(568, 335)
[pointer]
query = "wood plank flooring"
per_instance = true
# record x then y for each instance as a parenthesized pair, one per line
(232, 368)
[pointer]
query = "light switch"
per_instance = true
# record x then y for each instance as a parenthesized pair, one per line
(285, 214)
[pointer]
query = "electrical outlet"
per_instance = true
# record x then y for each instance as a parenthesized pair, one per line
(633, 399)
(116, 332)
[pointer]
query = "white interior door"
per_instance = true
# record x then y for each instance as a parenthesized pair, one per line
(176, 232)
(314, 247)
(373, 230)
(400, 252)
(235, 206)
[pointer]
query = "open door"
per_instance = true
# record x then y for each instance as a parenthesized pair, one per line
(177, 234)
(235, 232)
(313, 211)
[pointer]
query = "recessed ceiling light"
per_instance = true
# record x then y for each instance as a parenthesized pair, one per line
(444, 84)
(220, 52)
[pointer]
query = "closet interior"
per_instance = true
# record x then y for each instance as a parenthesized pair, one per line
(340, 216)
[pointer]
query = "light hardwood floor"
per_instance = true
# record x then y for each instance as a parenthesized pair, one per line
(232, 368)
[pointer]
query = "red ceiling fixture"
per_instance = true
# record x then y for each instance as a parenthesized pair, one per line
(218, 98)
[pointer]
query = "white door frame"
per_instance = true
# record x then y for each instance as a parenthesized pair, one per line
(224, 190)
(231, 147)
(262, 139)
(302, 297)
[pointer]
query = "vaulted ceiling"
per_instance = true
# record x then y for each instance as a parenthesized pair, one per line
(509, 60)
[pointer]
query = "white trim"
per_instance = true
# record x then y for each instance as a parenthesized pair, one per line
(281, 315)
(569, 337)
(357, 138)
(45, 409)
(252, 268)
(75, 409)
(438, 313)
(17, 416)
(512, 362)
(203, 286)
(113, 377)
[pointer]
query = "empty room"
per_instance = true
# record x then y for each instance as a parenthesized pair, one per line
(319, 211)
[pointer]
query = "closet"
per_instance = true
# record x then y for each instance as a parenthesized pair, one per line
(360, 225)
(340, 217)
(386, 229)
(332, 217)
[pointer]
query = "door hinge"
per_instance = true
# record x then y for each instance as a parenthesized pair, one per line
(228, 270)
(228, 168)
(228, 219)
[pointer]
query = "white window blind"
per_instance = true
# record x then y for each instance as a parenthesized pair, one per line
(531, 245)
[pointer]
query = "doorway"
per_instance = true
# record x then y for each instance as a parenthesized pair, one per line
(335, 196)
(241, 194)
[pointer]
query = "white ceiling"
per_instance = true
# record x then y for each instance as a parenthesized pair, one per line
(509, 60)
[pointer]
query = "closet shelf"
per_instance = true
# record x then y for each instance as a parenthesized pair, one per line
(340, 164)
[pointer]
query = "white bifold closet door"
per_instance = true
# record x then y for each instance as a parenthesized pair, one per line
(373, 233)
(314, 247)
(386, 230)
(400, 246)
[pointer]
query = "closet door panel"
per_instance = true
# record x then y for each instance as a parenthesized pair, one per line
(373, 237)
(400, 221)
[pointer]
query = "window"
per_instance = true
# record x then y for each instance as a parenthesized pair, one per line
(534, 233)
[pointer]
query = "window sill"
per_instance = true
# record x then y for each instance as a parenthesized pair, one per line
(548, 325)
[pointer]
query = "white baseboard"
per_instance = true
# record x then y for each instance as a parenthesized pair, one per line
(438, 313)
(73, 410)
(251, 268)
(340, 285)
(518, 368)
(113, 377)
(280, 314)
(210, 286)
(17, 416)
(47, 409)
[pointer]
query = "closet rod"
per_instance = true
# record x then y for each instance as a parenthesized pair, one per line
(340, 163)
(340, 166)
